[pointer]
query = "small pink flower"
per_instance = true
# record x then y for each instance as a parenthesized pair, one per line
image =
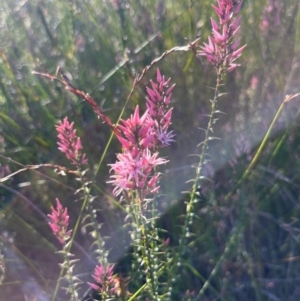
(105, 281)
(166, 242)
(254, 81)
(164, 137)
(137, 132)
(189, 293)
(59, 222)
(134, 172)
(69, 143)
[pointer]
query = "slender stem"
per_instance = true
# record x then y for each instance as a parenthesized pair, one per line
(190, 208)
(94, 223)
(142, 236)
(68, 266)
(203, 153)
(232, 240)
(149, 253)
(85, 205)
(262, 145)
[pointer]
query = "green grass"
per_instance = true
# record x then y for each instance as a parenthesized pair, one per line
(247, 244)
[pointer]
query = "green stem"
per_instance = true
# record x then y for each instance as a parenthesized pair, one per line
(100, 250)
(149, 265)
(67, 265)
(232, 241)
(85, 205)
(261, 147)
(203, 153)
(254, 283)
(142, 235)
(190, 207)
(69, 246)
(112, 134)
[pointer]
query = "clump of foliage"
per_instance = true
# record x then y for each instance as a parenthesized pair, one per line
(200, 248)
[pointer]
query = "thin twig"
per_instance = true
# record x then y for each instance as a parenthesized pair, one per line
(25, 167)
(70, 87)
(190, 46)
(59, 169)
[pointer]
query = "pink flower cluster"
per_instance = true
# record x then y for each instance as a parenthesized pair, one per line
(139, 137)
(222, 50)
(158, 101)
(59, 222)
(105, 280)
(69, 143)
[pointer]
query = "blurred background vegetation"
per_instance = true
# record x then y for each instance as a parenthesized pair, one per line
(103, 45)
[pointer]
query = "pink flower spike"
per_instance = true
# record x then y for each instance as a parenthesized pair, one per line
(136, 131)
(220, 50)
(59, 222)
(135, 166)
(106, 282)
(69, 143)
(130, 172)
(158, 100)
